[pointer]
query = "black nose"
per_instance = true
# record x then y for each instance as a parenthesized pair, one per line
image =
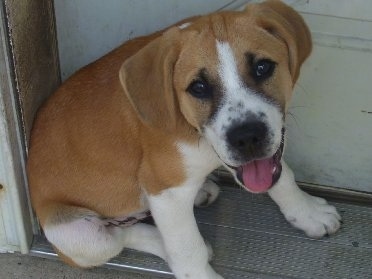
(248, 137)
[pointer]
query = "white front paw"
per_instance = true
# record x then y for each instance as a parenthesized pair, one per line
(313, 215)
(207, 194)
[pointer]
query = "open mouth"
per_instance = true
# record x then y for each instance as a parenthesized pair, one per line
(259, 176)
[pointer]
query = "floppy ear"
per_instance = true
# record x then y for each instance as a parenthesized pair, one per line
(285, 23)
(147, 79)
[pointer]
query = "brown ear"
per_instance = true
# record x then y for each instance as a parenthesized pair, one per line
(147, 79)
(285, 23)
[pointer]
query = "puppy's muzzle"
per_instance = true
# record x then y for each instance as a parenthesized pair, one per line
(258, 169)
(249, 139)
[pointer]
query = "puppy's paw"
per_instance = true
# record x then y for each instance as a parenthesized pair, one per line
(313, 215)
(207, 194)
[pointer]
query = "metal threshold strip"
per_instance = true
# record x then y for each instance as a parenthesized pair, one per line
(251, 239)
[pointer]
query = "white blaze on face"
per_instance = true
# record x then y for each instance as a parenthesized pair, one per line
(237, 105)
(184, 25)
(228, 70)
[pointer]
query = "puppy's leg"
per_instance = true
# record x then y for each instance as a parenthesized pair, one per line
(85, 239)
(145, 238)
(173, 213)
(207, 194)
(311, 214)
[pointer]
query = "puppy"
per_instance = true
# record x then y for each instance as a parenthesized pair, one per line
(139, 130)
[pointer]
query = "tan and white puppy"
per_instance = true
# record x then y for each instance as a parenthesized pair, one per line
(142, 127)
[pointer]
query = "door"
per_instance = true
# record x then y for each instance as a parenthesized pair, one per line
(330, 121)
(87, 29)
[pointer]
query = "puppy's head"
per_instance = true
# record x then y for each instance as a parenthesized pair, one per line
(230, 77)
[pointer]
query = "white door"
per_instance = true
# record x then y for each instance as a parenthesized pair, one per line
(330, 129)
(330, 126)
(87, 29)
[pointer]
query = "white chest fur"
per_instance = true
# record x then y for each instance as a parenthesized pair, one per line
(199, 159)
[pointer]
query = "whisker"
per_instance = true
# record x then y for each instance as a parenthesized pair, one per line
(295, 107)
(294, 118)
(302, 88)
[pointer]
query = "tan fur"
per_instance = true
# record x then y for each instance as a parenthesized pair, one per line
(101, 140)
(284, 23)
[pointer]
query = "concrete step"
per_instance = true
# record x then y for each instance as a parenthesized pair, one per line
(251, 239)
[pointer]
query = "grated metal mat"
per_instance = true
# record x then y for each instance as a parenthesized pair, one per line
(252, 240)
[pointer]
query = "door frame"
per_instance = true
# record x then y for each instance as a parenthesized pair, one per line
(29, 72)
(17, 223)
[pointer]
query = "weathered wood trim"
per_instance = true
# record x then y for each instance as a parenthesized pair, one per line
(29, 72)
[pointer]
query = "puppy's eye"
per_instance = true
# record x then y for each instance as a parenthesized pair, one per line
(263, 69)
(200, 89)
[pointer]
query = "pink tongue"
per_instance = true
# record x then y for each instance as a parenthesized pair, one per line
(258, 175)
